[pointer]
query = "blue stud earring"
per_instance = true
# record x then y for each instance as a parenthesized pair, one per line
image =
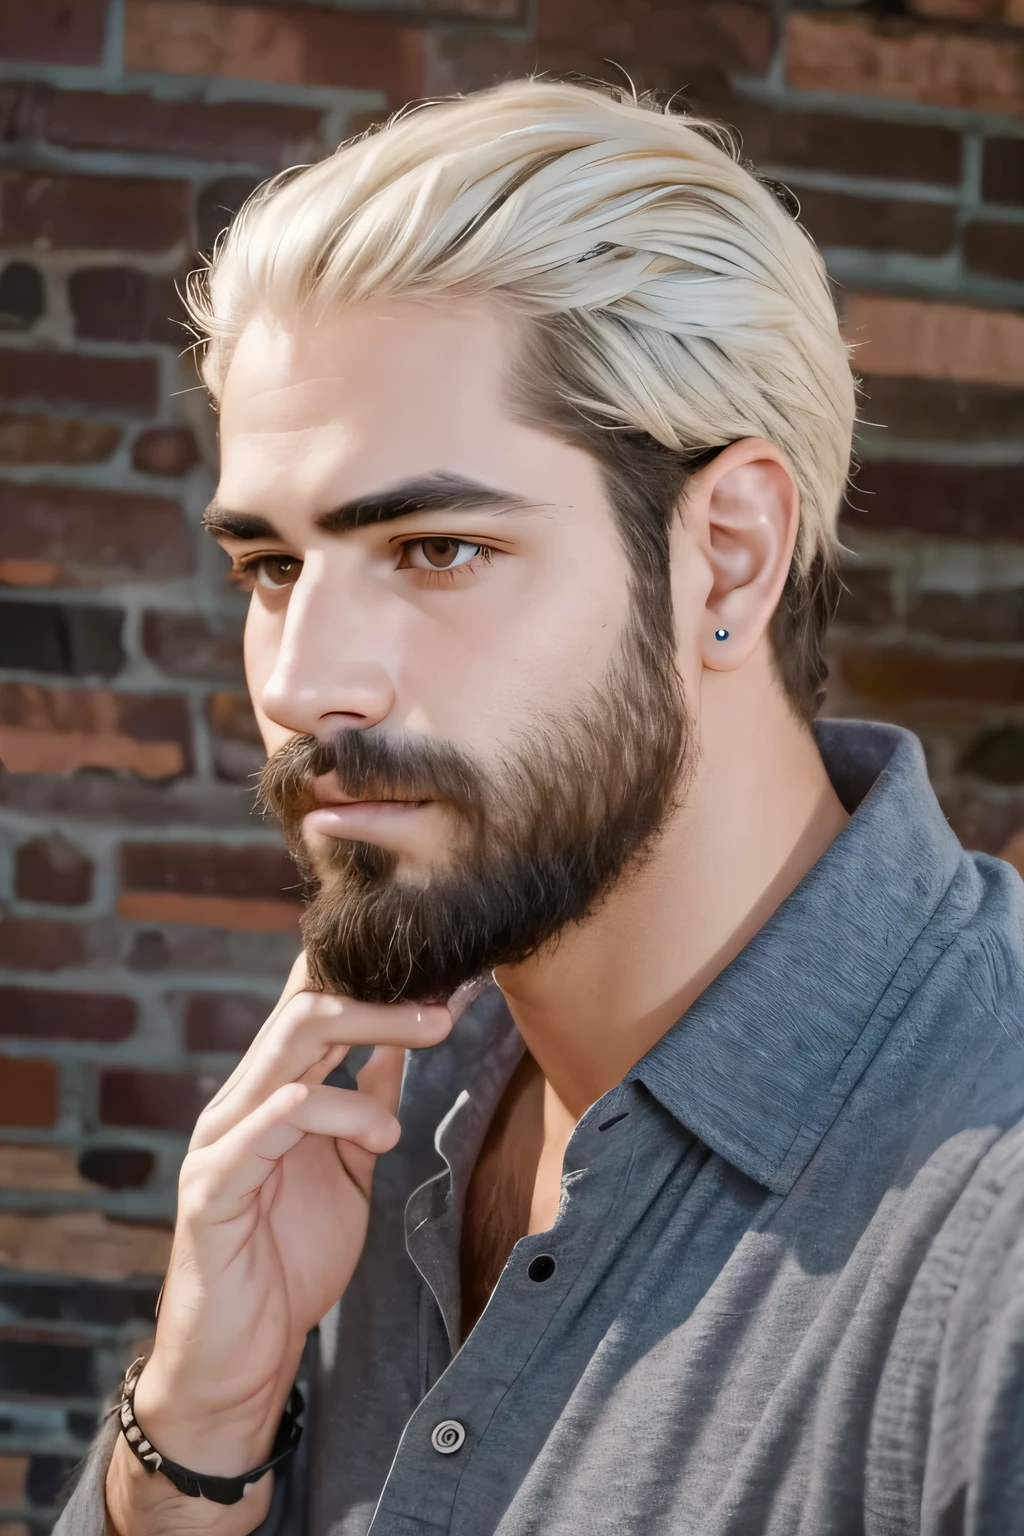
(721, 634)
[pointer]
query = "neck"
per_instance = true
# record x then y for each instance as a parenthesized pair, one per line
(759, 811)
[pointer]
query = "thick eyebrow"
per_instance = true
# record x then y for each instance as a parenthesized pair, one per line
(431, 493)
(221, 523)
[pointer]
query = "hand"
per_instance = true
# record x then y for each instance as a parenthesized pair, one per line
(272, 1216)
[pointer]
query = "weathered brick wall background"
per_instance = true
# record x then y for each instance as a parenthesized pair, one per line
(145, 918)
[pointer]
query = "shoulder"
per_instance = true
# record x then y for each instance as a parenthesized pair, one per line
(948, 1426)
(967, 969)
(977, 1428)
(990, 945)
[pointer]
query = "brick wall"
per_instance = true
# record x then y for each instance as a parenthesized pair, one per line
(145, 919)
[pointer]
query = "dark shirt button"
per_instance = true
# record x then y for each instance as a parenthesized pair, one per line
(542, 1267)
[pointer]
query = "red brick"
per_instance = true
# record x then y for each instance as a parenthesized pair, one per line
(1002, 178)
(13, 1471)
(159, 1101)
(91, 536)
(997, 250)
(122, 304)
(853, 146)
(132, 803)
(866, 598)
(238, 750)
(856, 56)
(41, 944)
(196, 645)
(11, 97)
(223, 1021)
(36, 1366)
(260, 870)
(361, 122)
(995, 12)
(165, 451)
(240, 914)
(912, 338)
(29, 1092)
(117, 1167)
(84, 1243)
(53, 31)
(877, 224)
(52, 869)
(29, 573)
(980, 822)
(996, 755)
(942, 411)
(217, 204)
(898, 675)
(235, 952)
(31, 438)
(39, 1167)
(657, 37)
(76, 1301)
(507, 11)
(48, 1478)
(94, 212)
(995, 616)
(469, 59)
(44, 1015)
(72, 639)
(59, 730)
(70, 378)
(22, 296)
(1013, 850)
(957, 501)
(215, 951)
(290, 46)
(256, 132)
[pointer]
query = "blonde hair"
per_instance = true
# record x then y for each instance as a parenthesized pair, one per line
(672, 293)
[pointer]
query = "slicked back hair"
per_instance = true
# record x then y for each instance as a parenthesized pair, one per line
(670, 303)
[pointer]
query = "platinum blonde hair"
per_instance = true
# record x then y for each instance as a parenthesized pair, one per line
(672, 292)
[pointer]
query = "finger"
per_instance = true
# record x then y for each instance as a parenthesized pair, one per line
(296, 983)
(312, 1035)
(309, 1039)
(382, 1076)
(218, 1181)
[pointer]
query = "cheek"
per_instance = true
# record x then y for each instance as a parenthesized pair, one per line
(527, 645)
(260, 648)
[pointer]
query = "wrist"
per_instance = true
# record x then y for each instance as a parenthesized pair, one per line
(221, 1438)
(141, 1503)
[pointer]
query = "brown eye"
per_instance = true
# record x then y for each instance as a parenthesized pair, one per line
(275, 571)
(441, 554)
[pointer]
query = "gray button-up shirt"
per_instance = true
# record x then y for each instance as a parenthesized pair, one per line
(787, 1291)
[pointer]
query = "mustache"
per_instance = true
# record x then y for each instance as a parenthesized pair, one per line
(368, 765)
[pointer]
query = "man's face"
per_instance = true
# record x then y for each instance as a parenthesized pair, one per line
(466, 745)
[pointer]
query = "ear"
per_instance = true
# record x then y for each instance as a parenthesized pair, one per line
(743, 512)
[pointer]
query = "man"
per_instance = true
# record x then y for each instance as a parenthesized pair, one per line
(702, 1217)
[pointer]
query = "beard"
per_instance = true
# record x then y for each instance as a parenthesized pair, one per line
(539, 839)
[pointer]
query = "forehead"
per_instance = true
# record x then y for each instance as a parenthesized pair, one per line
(369, 395)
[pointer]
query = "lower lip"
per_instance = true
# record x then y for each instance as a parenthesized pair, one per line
(349, 820)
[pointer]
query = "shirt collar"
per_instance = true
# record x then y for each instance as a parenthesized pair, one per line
(759, 1066)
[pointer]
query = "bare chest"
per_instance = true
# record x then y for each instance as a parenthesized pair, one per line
(514, 1189)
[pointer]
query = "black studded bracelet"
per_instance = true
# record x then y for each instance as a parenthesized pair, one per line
(220, 1490)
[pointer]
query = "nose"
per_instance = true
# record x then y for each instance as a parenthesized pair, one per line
(325, 676)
